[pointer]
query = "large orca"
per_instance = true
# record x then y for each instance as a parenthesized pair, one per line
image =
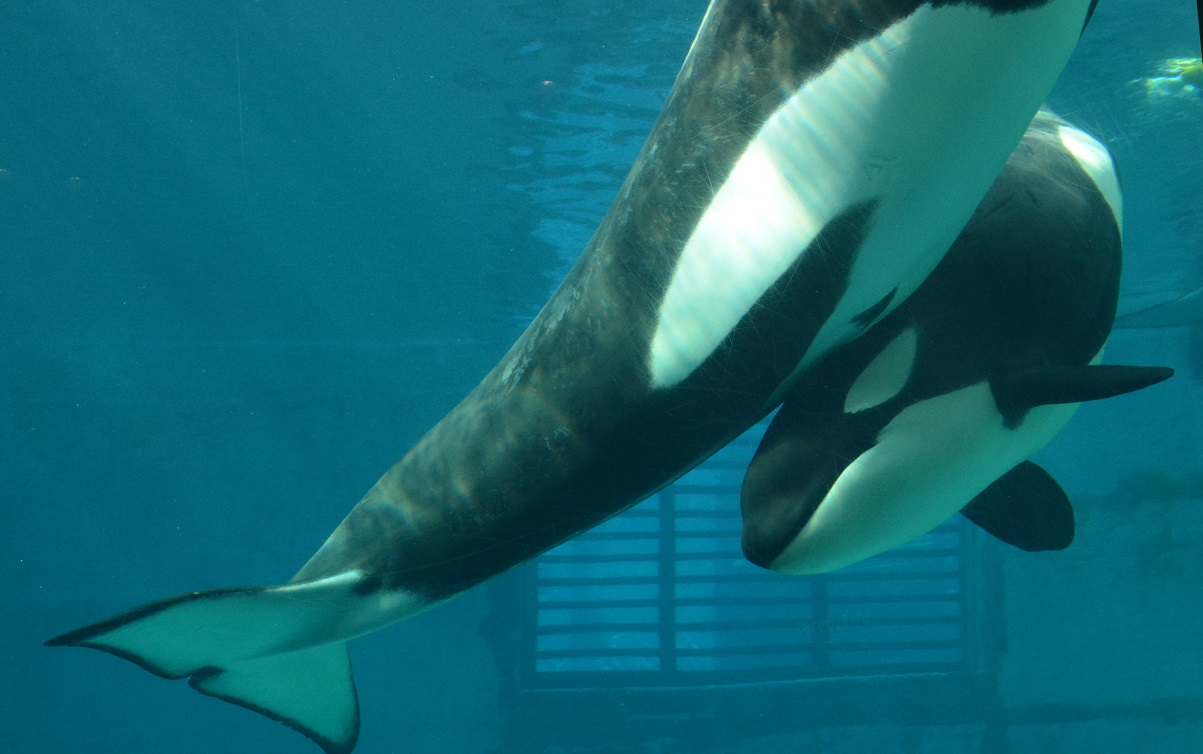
(813, 162)
(937, 408)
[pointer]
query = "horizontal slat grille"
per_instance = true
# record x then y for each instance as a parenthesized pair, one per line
(662, 595)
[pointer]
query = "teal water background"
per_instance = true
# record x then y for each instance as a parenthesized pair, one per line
(250, 251)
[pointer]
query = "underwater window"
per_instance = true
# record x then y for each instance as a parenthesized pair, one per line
(662, 596)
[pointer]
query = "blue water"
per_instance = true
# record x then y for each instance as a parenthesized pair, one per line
(251, 251)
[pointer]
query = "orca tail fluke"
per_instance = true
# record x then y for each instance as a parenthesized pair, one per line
(309, 690)
(280, 651)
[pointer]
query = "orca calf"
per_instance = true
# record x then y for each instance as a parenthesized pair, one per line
(937, 408)
(814, 161)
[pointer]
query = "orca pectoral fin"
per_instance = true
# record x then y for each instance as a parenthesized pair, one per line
(1021, 391)
(1025, 508)
(1179, 312)
(276, 650)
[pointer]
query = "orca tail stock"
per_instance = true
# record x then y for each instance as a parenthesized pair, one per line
(278, 650)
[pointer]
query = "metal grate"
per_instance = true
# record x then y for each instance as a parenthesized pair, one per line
(662, 596)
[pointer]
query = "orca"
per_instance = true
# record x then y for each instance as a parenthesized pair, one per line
(812, 164)
(938, 407)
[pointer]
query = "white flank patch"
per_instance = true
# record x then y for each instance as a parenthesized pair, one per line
(1096, 161)
(921, 117)
(793, 179)
(928, 463)
(886, 375)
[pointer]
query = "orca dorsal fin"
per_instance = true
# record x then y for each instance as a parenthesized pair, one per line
(1018, 392)
(1025, 508)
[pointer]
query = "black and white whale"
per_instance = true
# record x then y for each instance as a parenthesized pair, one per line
(936, 409)
(814, 161)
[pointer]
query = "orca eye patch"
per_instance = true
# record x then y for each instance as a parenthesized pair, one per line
(886, 375)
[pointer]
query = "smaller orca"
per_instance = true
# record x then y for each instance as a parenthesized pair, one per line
(937, 407)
